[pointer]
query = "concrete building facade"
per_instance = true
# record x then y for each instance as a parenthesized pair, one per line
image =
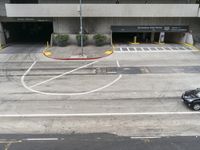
(145, 19)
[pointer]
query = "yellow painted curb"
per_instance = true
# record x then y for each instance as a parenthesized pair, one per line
(47, 52)
(134, 43)
(159, 43)
(108, 52)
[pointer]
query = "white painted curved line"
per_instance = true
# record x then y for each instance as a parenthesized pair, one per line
(118, 65)
(65, 94)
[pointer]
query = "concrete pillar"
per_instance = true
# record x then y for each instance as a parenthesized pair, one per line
(2, 38)
(162, 37)
(189, 38)
(152, 37)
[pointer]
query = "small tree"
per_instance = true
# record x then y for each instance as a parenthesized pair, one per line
(61, 39)
(85, 39)
(99, 39)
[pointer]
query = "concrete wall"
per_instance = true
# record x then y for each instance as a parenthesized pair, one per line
(66, 25)
(102, 10)
(121, 1)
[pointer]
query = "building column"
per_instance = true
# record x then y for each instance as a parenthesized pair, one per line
(162, 37)
(2, 37)
(152, 37)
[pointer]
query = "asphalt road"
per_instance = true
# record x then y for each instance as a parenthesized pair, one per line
(136, 94)
(96, 142)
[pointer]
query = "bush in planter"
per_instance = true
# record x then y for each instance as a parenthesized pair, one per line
(61, 39)
(78, 38)
(99, 39)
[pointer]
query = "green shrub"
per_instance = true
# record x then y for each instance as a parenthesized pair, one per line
(61, 39)
(99, 39)
(78, 38)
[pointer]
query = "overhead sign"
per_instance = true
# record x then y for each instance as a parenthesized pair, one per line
(150, 28)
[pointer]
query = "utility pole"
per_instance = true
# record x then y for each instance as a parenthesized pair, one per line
(81, 27)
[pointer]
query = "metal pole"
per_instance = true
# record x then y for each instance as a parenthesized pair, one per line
(81, 27)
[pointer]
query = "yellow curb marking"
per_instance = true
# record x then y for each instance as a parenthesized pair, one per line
(134, 43)
(47, 53)
(108, 52)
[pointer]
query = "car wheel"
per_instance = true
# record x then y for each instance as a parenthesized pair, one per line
(196, 107)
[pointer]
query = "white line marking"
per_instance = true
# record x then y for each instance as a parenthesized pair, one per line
(143, 137)
(98, 114)
(53, 78)
(65, 94)
(111, 72)
(41, 139)
(159, 51)
(118, 65)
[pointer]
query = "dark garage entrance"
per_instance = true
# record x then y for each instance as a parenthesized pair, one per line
(142, 37)
(27, 32)
(147, 34)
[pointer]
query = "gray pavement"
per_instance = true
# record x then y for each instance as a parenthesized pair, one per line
(95, 142)
(144, 90)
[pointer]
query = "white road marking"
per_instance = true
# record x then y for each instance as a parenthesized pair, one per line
(97, 114)
(157, 49)
(143, 137)
(53, 78)
(111, 72)
(6, 141)
(41, 139)
(65, 94)
(118, 65)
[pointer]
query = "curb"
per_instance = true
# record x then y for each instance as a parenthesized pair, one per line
(93, 58)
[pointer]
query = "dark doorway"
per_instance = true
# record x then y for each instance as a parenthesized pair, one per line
(174, 37)
(126, 38)
(23, 1)
(27, 32)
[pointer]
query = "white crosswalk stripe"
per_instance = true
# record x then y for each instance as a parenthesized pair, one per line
(153, 49)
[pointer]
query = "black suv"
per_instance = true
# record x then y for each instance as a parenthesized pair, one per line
(192, 99)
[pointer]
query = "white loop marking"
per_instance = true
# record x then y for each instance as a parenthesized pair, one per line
(65, 94)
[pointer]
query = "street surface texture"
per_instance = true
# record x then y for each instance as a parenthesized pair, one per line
(125, 94)
(96, 142)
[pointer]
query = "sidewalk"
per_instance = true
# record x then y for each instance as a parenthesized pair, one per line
(75, 52)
